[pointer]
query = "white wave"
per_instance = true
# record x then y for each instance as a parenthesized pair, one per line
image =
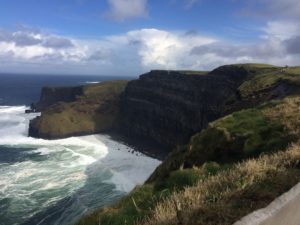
(12, 109)
(61, 167)
(93, 82)
(129, 169)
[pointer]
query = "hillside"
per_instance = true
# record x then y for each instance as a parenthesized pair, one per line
(238, 164)
(93, 109)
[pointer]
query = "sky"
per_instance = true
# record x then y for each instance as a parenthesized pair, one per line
(130, 37)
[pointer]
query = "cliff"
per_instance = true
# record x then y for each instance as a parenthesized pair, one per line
(161, 107)
(53, 95)
(77, 111)
(168, 107)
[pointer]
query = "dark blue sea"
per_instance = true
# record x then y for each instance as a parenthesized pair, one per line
(55, 182)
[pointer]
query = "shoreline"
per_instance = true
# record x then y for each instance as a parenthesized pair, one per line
(146, 147)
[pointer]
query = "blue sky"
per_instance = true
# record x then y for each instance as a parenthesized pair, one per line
(89, 18)
(133, 36)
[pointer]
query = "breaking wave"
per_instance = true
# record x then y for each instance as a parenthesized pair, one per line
(57, 181)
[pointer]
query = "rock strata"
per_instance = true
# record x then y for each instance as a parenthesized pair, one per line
(168, 107)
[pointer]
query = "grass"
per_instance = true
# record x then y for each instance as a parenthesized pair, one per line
(95, 111)
(288, 113)
(233, 138)
(179, 179)
(104, 89)
(138, 205)
(269, 77)
(229, 195)
(192, 72)
(134, 207)
(240, 135)
(257, 66)
(293, 70)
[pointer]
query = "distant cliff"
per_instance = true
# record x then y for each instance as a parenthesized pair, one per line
(77, 111)
(53, 95)
(168, 107)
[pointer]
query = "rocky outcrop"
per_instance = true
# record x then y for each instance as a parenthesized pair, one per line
(276, 91)
(53, 95)
(95, 110)
(168, 107)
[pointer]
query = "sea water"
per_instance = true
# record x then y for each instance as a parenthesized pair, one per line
(55, 182)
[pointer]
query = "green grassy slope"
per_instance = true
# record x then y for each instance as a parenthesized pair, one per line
(268, 77)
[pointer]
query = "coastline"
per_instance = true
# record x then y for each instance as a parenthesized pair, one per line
(144, 146)
(116, 153)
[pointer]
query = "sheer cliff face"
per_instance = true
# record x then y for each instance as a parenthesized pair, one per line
(168, 107)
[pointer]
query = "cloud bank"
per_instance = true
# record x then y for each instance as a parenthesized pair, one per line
(137, 51)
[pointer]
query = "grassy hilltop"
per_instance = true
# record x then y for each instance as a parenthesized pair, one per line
(240, 163)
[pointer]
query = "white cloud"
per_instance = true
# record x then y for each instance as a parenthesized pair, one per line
(281, 29)
(280, 38)
(138, 51)
(27, 45)
(159, 48)
(121, 10)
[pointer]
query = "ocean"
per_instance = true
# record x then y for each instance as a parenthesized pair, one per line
(55, 182)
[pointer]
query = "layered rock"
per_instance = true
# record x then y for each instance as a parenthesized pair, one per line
(168, 107)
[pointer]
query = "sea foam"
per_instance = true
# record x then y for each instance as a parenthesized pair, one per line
(94, 169)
